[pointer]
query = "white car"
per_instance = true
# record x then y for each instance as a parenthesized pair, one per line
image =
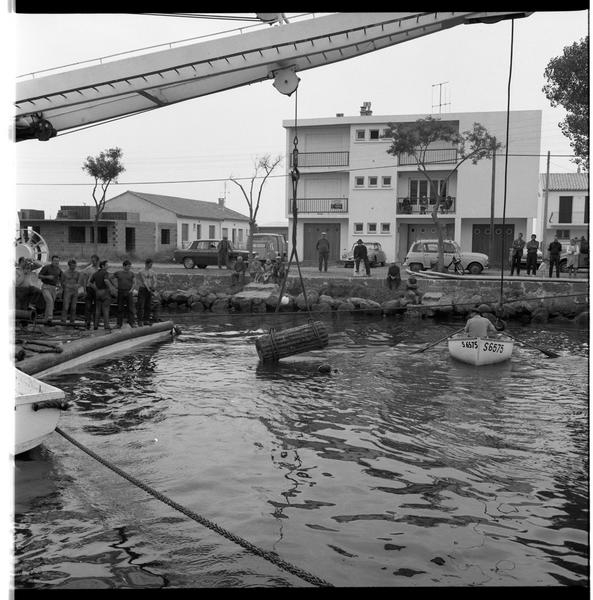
(423, 255)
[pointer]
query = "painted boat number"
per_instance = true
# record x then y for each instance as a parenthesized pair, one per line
(487, 347)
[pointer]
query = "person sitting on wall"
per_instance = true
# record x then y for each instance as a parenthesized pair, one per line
(256, 270)
(27, 294)
(238, 274)
(394, 278)
(412, 292)
(423, 203)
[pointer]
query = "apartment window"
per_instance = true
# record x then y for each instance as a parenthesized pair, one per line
(563, 234)
(165, 237)
(76, 235)
(357, 227)
(386, 181)
(373, 181)
(371, 227)
(360, 134)
(565, 209)
(225, 232)
(419, 188)
(385, 227)
(374, 134)
(358, 181)
(211, 231)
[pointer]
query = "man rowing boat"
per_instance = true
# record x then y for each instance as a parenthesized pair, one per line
(479, 326)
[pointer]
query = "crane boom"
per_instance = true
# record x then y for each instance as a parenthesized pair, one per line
(98, 93)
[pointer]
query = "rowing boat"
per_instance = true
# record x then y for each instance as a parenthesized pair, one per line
(480, 351)
(37, 409)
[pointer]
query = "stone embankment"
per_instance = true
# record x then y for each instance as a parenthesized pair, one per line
(524, 300)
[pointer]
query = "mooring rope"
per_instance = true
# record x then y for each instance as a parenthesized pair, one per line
(269, 556)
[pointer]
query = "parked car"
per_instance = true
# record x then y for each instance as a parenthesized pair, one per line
(374, 251)
(540, 257)
(201, 253)
(269, 245)
(423, 254)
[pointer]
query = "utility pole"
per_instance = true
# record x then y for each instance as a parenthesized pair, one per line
(492, 196)
(545, 215)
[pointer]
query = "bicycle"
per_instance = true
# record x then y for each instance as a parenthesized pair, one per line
(457, 267)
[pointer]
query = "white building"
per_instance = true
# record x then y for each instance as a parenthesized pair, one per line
(182, 220)
(566, 206)
(351, 188)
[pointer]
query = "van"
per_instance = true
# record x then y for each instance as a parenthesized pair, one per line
(269, 245)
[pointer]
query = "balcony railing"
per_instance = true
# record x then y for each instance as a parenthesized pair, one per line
(323, 159)
(443, 156)
(320, 205)
(424, 206)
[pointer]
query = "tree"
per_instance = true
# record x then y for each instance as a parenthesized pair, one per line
(263, 167)
(105, 169)
(568, 85)
(415, 139)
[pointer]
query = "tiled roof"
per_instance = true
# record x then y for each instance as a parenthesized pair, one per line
(186, 207)
(560, 182)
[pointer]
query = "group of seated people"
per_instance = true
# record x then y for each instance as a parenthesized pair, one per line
(271, 271)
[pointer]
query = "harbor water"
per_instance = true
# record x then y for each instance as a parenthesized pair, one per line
(394, 469)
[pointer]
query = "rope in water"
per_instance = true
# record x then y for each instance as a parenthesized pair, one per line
(269, 556)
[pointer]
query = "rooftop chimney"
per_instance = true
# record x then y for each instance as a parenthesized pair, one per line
(221, 202)
(365, 109)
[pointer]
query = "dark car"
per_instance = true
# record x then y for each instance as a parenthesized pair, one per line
(374, 251)
(201, 253)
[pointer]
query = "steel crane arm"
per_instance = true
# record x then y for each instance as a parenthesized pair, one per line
(97, 93)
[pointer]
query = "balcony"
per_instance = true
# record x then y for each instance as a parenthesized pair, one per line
(424, 206)
(443, 156)
(323, 159)
(320, 205)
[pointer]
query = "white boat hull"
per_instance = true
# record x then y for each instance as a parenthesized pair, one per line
(37, 409)
(480, 351)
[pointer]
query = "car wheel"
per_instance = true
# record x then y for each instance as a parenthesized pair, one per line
(188, 262)
(416, 267)
(475, 268)
(202, 266)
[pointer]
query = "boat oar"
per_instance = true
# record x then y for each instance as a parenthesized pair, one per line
(437, 342)
(546, 352)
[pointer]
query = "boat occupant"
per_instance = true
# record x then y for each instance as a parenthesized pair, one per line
(478, 325)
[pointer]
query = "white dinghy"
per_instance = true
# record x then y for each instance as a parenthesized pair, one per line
(480, 351)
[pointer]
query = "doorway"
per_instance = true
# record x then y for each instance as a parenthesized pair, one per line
(500, 243)
(130, 239)
(311, 233)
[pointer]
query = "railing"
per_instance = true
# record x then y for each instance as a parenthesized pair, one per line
(432, 157)
(320, 205)
(576, 218)
(424, 206)
(323, 159)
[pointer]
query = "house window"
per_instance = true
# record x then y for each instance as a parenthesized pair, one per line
(419, 188)
(240, 233)
(101, 235)
(563, 234)
(211, 231)
(386, 181)
(371, 227)
(373, 181)
(184, 232)
(358, 181)
(165, 237)
(565, 209)
(360, 134)
(385, 227)
(357, 227)
(374, 134)
(225, 232)
(76, 235)
(198, 228)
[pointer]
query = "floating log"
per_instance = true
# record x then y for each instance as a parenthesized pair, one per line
(278, 344)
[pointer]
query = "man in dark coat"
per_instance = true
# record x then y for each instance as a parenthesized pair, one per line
(532, 248)
(360, 253)
(323, 250)
(223, 252)
(517, 255)
(554, 250)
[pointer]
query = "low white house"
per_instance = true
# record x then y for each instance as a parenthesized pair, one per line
(350, 188)
(182, 220)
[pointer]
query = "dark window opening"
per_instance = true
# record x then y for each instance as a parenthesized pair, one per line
(76, 235)
(165, 236)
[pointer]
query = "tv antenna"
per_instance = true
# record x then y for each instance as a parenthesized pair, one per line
(442, 96)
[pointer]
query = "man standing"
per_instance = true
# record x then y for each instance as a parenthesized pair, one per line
(51, 278)
(104, 288)
(71, 284)
(554, 250)
(532, 248)
(146, 287)
(517, 255)
(90, 292)
(360, 253)
(125, 302)
(394, 278)
(223, 252)
(323, 251)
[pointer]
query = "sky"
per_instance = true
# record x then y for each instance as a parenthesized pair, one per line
(220, 135)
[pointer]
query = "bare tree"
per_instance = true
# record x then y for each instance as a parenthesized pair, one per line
(413, 139)
(105, 170)
(263, 168)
